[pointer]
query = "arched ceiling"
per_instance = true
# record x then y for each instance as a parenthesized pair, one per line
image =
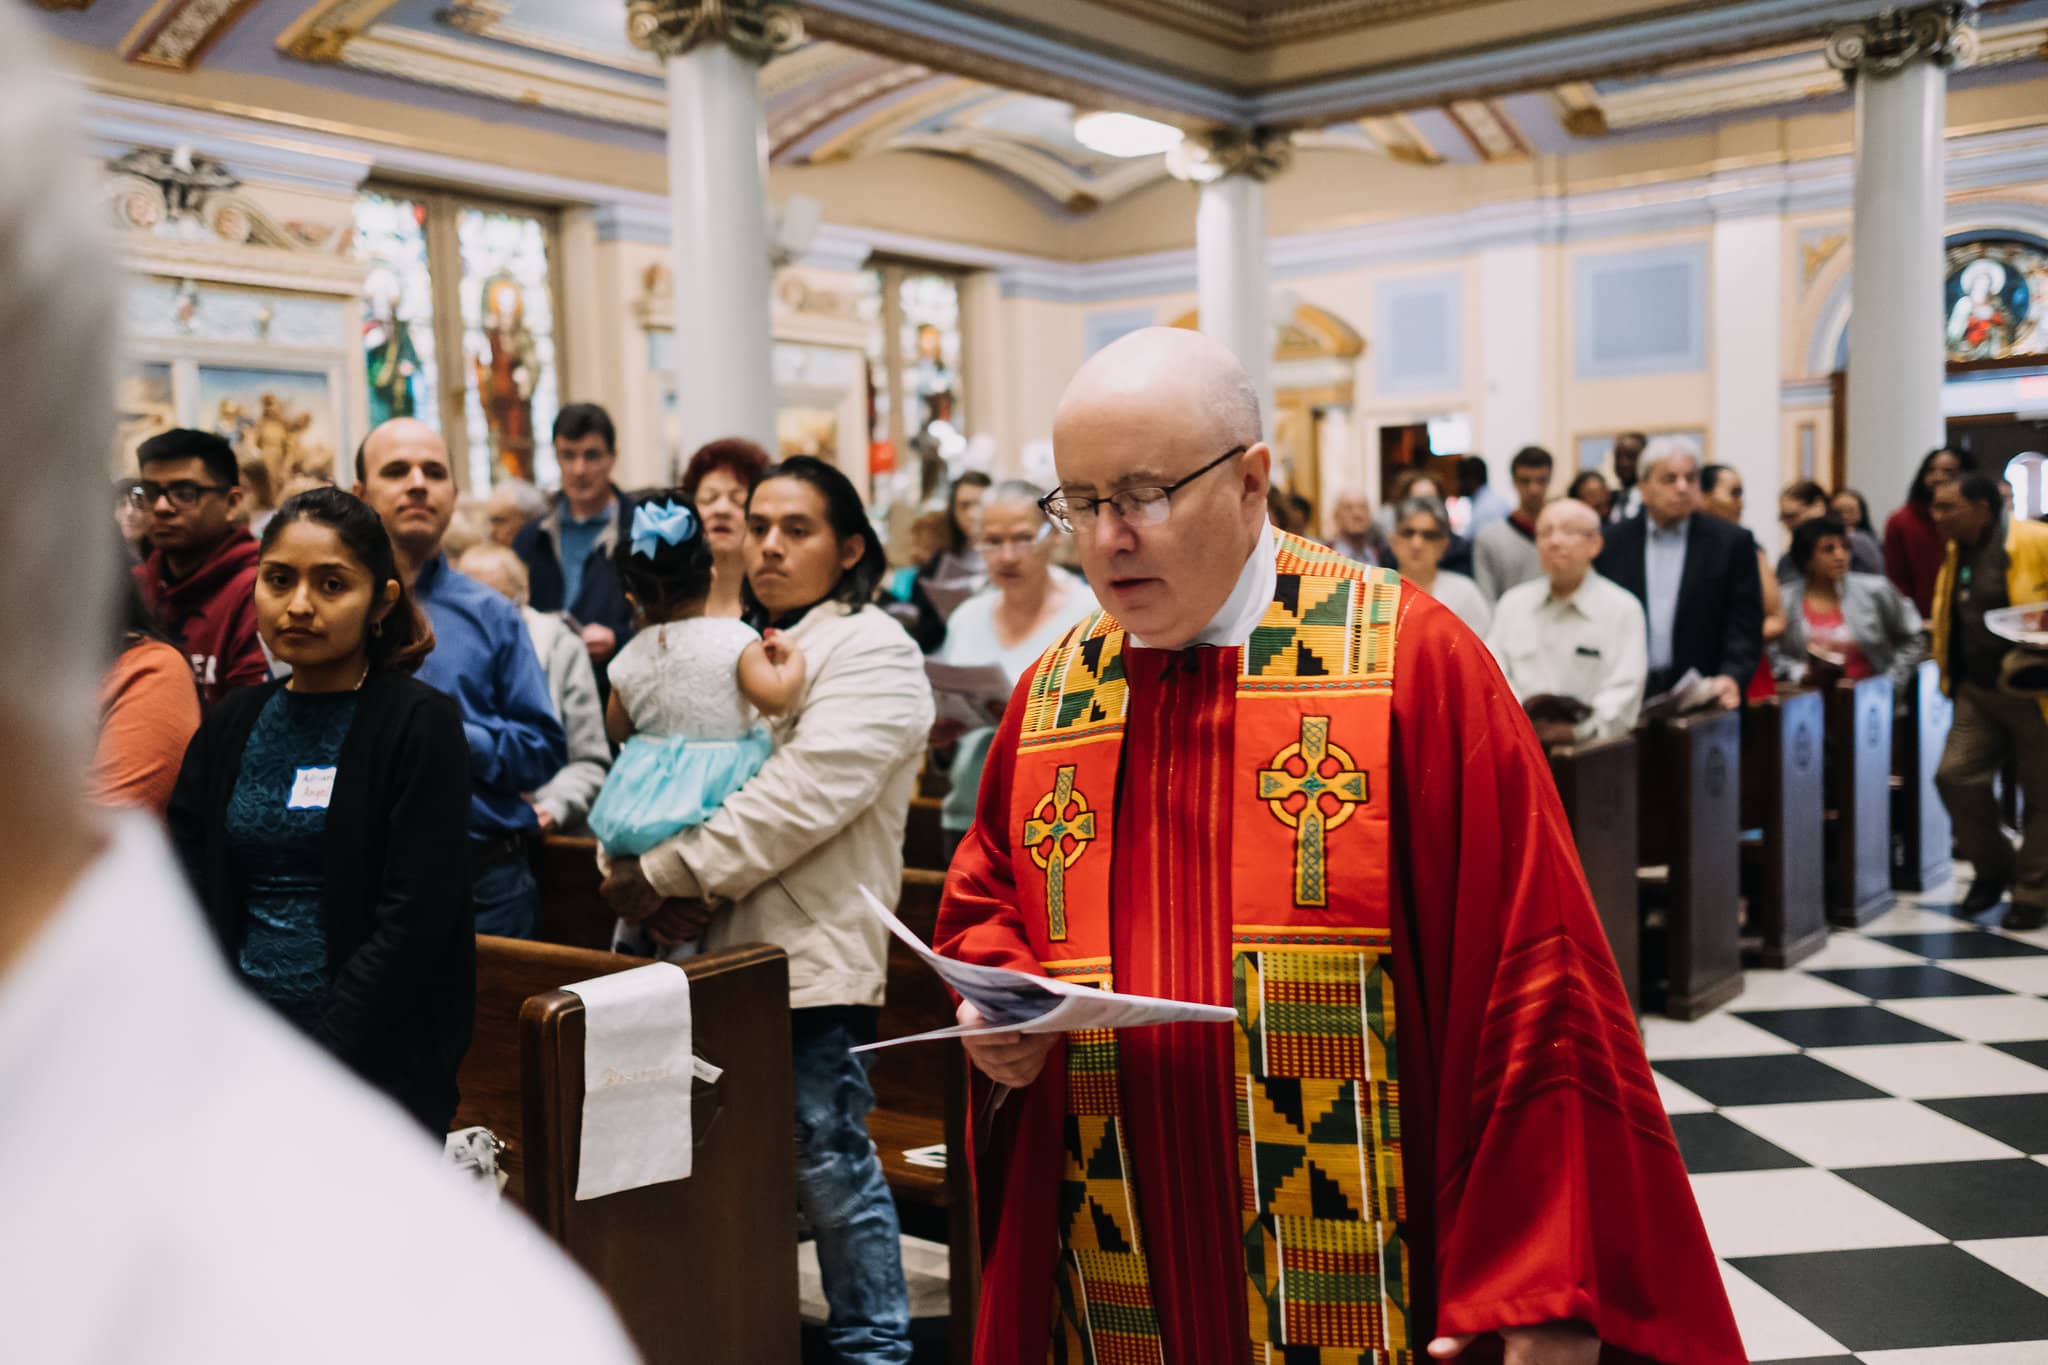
(830, 101)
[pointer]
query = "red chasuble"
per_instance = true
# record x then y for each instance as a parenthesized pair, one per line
(1522, 1171)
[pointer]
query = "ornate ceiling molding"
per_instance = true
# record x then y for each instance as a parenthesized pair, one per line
(756, 29)
(1269, 23)
(453, 64)
(322, 32)
(1258, 153)
(492, 19)
(1944, 34)
(175, 34)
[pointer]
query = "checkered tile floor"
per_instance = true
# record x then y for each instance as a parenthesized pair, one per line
(1868, 1139)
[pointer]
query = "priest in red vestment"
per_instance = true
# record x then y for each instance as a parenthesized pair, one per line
(1265, 776)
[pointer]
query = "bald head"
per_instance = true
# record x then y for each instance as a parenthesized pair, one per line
(1156, 365)
(1568, 540)
(402, 471)
(1163, 408)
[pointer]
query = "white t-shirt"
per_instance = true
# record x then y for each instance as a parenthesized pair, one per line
(184, 1179)
(971, 629)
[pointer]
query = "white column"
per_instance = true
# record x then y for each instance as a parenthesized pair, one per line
(718, 192)
(1514, 362)
(1230, 272)
(1232, 167)
(1748, 344)
(1897, 359)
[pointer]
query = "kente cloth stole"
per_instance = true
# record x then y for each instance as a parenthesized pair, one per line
(1317, 1098)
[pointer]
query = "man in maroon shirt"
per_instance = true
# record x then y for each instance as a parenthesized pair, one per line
(200, 577)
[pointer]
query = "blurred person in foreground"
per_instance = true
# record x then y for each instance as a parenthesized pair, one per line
(1281, 782)
(186, 1180)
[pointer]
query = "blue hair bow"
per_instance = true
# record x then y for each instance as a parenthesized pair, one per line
(658, 523)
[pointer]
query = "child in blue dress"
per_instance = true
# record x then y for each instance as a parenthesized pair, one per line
(688, 690)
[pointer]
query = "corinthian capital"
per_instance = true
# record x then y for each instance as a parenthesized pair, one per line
(1945, 34)
(756, 29)
(1254, 152)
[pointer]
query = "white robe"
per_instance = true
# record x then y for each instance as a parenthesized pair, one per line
(184, 1179)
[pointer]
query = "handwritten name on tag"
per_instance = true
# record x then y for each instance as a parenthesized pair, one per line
(312, 789)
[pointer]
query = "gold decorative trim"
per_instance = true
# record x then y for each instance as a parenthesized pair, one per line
(1277, 21)
(174, 37)
(1944, 34)
(1813, 256)
(456, 64)
(756, 29)
(322, 32)
(1259, 153)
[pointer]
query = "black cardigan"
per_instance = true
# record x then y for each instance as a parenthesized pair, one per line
(401, 935)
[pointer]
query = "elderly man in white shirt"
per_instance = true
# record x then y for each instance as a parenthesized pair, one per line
(1572, 633)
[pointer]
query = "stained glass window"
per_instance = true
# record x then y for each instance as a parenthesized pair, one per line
(398, 308)
(933, 425)
(1997, 299)
(508, 338)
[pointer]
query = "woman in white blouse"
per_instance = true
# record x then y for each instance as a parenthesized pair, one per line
(1027, 605)
(1422, 532)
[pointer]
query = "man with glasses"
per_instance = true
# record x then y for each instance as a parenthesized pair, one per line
(200, 577)
(1270, 778)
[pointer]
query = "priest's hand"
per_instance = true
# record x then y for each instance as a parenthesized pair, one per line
(1555, 1343)
(1012, 1059)
(631, 896)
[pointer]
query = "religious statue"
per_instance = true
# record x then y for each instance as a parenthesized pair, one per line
(388, 352)
(506, 375)
(1980, 326)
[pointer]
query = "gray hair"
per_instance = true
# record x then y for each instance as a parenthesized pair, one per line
(1665, 448)
(1423, 507)
(529, 502)
(1014, 490)
(57, 342)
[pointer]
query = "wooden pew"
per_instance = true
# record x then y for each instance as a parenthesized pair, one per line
(1597, 784)
(1859, 828)
(571, 910)
(1693, 836)
(1923, 852)
(924, 842)
(698, 1269)
(921, 1099)
(1782, 800)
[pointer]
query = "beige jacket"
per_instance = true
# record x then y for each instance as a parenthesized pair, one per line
(824, 816)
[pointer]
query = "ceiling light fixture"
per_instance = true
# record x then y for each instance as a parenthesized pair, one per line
(1124, 134)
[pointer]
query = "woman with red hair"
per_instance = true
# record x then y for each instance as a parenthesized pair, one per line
(718, 480)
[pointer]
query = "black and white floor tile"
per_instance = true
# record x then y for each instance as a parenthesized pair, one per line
(1868, 1140)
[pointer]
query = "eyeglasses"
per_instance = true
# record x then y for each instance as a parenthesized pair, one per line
(183, 493)
(1147, 506)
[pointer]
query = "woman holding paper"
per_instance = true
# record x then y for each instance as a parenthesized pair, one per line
(322, 819)
(1006, 625)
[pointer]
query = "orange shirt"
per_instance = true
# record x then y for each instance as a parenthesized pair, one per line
(148, 712)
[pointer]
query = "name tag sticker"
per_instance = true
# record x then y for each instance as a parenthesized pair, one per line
(312, 789)
(1587, 652)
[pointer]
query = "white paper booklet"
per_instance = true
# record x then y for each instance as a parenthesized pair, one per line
(1018, 1002)
(972, 696)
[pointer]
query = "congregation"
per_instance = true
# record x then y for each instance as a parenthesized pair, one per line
(1410, 802)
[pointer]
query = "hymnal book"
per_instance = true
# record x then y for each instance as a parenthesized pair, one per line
(1018, 1002)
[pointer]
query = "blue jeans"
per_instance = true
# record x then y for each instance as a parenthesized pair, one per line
(840, 1186)
(506, 899)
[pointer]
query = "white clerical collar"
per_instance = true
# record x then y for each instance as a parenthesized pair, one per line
(1242, 611)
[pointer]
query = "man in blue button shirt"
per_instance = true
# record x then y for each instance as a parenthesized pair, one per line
(481, 658)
